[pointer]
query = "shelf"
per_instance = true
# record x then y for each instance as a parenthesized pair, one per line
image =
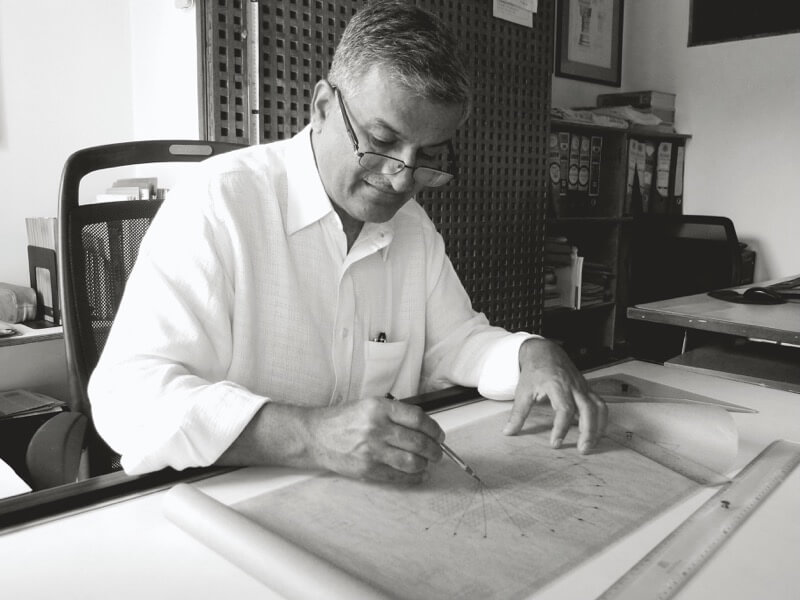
(586, 126)
(556, 311)
(28, 335)
(599, 220)
(640, 132)
(601, 225)
(635, 130)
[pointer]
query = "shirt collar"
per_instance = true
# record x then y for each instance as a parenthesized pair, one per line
(307, 201)
(376, 237)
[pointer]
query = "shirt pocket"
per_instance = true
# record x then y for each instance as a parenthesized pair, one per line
(382, 362)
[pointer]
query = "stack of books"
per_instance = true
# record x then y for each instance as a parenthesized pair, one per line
(24, 403)
(659, 104)
(136, 188)
(552, 295)
(558, 251)
(596, 286)
(562, 273)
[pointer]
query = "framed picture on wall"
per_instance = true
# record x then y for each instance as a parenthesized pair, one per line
(589, 41)
(715, 21)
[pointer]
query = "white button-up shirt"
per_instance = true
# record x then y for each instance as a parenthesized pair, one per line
(244, 293)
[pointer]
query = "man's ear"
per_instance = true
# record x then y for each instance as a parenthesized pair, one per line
(321, 105)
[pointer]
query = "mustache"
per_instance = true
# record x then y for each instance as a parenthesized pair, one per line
(382, 184)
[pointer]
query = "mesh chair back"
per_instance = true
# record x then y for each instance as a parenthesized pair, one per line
(98, 246)
(680, 255)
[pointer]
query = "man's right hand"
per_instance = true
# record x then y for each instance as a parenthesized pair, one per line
(376, 438)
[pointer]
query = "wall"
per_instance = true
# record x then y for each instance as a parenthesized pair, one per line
(65, 82)
(81, 73)
(76, 74)
(164, 70)
(739, 100)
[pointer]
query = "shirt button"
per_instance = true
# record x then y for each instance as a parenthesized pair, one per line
(338, 399)
(345, 332)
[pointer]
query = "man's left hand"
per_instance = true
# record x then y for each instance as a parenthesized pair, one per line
(547, 373)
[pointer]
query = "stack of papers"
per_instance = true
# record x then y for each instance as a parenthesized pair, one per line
(23, 403)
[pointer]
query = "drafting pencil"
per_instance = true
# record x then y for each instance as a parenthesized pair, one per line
(446, 449)
(456, 459)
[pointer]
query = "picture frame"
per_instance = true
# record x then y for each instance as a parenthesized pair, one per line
(589, 41)
(718, 21)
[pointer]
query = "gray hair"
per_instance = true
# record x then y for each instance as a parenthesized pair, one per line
(417, 49)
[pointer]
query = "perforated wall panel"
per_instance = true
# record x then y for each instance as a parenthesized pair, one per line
(492, 218)
(223, 25)
(297, 40)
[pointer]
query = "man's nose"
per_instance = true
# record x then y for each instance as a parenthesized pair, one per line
(404, 180)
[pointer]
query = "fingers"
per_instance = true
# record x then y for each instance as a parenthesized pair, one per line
(387, 474)
(587, 424)
(414, 439)
(387, 440)
(401, 458)
(603, 422)
(414, 443)
(567, 403)
(547, 371)
(519, 412)
(414, 418)
(592, 418)
(564, 413)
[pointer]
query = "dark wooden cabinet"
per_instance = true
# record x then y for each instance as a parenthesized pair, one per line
(600, 179)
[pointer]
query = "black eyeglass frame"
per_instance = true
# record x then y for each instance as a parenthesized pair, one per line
(448, 177)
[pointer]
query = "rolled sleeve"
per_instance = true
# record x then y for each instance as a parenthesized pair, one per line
(500, 373)
(205, 431)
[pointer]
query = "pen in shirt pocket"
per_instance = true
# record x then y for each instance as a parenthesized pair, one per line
(380, 338)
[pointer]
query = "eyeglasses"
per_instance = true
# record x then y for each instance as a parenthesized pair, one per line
(387, 165)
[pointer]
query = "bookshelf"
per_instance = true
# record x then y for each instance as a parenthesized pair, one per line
(594, 212)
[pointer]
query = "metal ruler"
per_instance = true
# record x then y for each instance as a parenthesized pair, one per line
(662, 572)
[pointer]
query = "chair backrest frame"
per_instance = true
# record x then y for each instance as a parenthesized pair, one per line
(82, 351)
(670, 256)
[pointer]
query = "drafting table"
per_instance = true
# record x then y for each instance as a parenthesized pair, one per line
(768, 361)
(775, 322)
(130, 550)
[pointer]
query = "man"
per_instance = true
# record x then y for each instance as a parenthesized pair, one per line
(286, 289)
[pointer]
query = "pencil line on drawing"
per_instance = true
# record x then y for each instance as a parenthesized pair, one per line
(466, 510)
(483, 504)
(505, 510)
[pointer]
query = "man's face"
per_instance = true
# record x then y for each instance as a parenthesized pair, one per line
(387, 119)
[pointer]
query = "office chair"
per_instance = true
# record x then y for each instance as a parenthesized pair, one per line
(56, 453)
(672, 256)
(98, 245)
(679, 255)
